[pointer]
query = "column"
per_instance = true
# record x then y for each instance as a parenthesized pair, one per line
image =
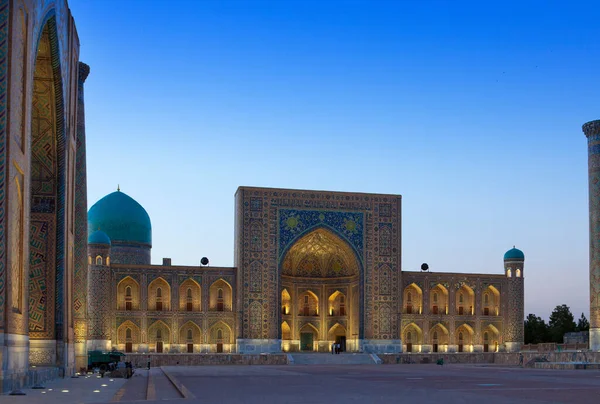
(592, 132)
(81, 230)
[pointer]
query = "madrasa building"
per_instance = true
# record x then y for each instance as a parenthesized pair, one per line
(311, 268)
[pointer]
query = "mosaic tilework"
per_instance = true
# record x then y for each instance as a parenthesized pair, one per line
(294, 223)
(514, 331)
(592, 132)
(281, 217)
(4, 15)
(81, 229)
(41, 277)
(47, 177)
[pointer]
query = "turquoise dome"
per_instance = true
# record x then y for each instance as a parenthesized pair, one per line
(121, 218)
(99, 237)
(514, 254)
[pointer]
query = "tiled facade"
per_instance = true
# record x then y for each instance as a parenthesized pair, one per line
(312, 267)
(592, 132)
(39, 129)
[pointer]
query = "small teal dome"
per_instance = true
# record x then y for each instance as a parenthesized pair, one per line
(514, 254)
(121, 218)
(99, 237)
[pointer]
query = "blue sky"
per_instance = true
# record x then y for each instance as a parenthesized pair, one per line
(472, 112)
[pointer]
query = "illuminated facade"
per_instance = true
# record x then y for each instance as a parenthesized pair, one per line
(42, 313)
(312, 268)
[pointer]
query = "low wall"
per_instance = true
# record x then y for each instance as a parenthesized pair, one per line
(205, 359)
(409, 358)
(499, 358)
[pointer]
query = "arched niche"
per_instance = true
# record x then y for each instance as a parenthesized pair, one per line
(413, 299)
(190, 296)
(159, 295)
(465, 301)
(412, 337)
(438, 300)
(490, 301)
(338, 304)
(128, 294)
(220, 296)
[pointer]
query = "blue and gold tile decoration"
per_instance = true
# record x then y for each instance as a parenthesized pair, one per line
(294, 223)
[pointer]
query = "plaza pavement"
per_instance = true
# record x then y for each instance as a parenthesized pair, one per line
(329, 384)
(84, 389)
(447, 384)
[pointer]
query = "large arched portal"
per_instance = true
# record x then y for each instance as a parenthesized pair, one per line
(49, 298)
(320, 283)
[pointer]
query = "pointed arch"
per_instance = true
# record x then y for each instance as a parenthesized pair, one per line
(159, 295)
(50, 183)
(465, 301)
(196, 333)
(125, 301)
(490, 299)
(412, 337)
(320, 252)
(122, 333)
(438, 299)
(286, 331)
(220, 295)
(336, 330)
(338, 304)
(308, 327)
(286, 302)
(439, 335)
(308, 303)
(492, 342)
(159, 332)
(226, 334)
(413, 299)
(463, 337)
(190, 295)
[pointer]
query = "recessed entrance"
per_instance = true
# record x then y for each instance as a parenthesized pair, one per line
(306, 341)
(320, 284)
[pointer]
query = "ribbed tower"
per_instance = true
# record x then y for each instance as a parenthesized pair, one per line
(514, 335)
(81, 230)
(592, 132)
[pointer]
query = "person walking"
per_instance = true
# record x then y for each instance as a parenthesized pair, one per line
(333, 348)
(148, 362)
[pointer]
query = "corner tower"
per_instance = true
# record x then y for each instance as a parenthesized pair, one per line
(98, 290)
(592, 132)
(514, 261)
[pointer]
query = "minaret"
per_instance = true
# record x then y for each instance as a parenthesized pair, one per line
(514, 329)
(98, 291)
(592, 132)
(81, 229)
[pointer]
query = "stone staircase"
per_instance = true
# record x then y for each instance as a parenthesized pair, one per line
(329, 359)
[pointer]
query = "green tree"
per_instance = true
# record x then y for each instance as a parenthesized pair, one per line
(536, 330)
(583, 324)
(561, 322)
